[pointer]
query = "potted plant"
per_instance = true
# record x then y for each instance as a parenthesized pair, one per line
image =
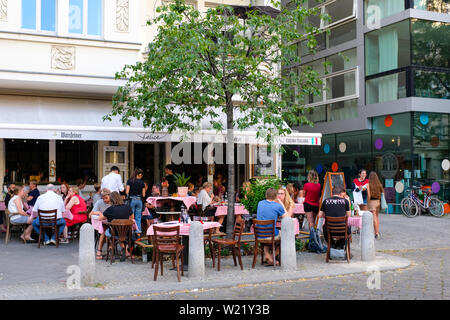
(257, 192)
(181, 181)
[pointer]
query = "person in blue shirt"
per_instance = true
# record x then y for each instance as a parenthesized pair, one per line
(33, 194)
(271, 209)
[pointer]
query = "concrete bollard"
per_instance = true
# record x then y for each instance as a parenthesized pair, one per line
(196, 251)
(288, 254)
(367, 237)
(86, 255)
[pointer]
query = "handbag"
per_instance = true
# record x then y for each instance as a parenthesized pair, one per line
(384, 205)
(357, 197)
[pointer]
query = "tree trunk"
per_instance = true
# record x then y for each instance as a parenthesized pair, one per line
(230, 163)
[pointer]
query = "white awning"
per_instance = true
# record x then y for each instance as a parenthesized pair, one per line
(81, 119)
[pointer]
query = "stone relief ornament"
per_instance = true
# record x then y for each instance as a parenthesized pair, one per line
(3, 9)
(122, 15)
(63, 57)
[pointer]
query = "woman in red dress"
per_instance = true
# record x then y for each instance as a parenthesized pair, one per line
(75, 204)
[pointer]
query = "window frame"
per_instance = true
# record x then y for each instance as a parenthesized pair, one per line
(38, 26)
(85, 21)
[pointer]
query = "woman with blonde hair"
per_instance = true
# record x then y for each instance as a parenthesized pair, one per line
(374, 191)
(285, 198)
(312, 197)
(18, 214)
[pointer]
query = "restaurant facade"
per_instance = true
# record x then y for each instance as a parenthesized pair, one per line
(58, 61)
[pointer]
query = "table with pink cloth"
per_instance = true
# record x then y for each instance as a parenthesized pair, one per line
(355, 221)
(238, 210)
(278, 225)
(184, 227)
(98, 225)
(188, 201)
(2, 206)
(298, 208)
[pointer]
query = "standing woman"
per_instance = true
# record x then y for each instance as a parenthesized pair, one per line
(312, 197)
(360, 184)
(374, 191)
(135, 190)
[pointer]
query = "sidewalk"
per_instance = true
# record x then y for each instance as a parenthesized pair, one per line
(27, 272)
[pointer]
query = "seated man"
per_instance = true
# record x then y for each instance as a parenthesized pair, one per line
(50, 201)
(271, 209)
(100, 206)
(336, 206)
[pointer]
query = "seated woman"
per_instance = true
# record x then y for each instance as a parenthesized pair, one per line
(299, 194)
(17, 213)
(75, 203)
(285, 198)
(205, 198)
(117, 210)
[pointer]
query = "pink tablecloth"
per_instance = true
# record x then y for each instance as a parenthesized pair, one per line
(2, 206)
(238, 209)
(98, 225)
(355, 222)
(278, 225)
(188, 201)
(298, 208)
(184, 227)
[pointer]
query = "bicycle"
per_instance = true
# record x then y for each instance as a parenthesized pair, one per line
(411, 204)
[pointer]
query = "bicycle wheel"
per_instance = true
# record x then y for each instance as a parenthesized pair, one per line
(436, 207)
(409, 207)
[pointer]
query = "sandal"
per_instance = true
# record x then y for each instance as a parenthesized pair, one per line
(99, 256)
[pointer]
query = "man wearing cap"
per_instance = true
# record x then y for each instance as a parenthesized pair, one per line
(99, 207)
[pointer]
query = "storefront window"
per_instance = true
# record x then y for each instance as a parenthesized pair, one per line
(384, 8)
(76, 160)
(26, 160)
(386, 88)
(431, 148)
(293, 166)
(442, 6)
(388, 48)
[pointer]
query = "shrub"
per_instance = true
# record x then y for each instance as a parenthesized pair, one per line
(257, 192)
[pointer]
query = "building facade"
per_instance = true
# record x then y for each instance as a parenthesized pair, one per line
(58, 60)
(385, 102)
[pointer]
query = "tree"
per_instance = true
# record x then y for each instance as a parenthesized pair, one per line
(198, 64)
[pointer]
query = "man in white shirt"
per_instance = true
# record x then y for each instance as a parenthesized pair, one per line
(50, 201)
(113, 181)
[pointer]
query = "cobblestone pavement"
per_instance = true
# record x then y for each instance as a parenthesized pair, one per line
(421, 246)
(426, 278)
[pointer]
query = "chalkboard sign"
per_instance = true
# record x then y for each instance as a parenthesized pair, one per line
(331, 180)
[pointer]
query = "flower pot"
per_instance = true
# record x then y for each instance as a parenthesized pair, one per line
(165, 191)
(182, 191)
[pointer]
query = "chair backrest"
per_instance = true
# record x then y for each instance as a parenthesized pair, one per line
(47, 216)
(336, 225)
(200, 210)
(166, 237)
(121, 228)
(238, 229)
(264, 228)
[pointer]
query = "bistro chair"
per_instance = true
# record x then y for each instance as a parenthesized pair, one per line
(265, 236)
(47, 220)
(337, 228)
(121, 232)
(208, 236)
(10, 226)
(73, 232)
(234, 243)
(167, 241)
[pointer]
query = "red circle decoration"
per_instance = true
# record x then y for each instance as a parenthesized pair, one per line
(334, 167)
(435, 142)
(388, 121)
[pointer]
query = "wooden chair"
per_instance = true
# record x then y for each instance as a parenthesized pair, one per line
(337, 228)
(234, 242)
(208, 236)
(265, 236)
(167, 241)
(10, 226)
(73, 232)
(121, 232)
(47, 220)
(151, 239)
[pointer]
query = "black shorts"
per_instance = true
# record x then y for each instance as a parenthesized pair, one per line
(308, 208)
(210, 211)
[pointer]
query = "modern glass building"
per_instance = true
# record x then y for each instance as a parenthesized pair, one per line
(385, 98)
